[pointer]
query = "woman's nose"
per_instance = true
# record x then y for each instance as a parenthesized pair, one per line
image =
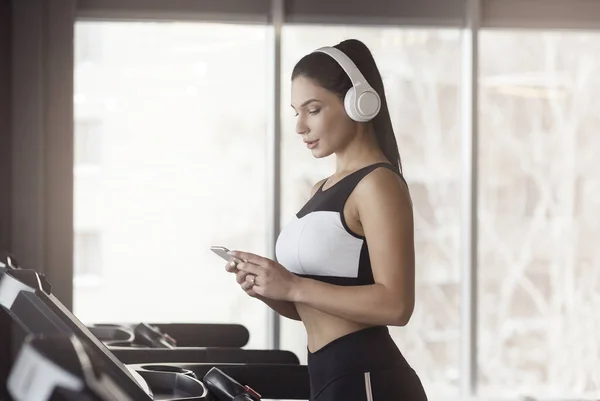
(301, 127)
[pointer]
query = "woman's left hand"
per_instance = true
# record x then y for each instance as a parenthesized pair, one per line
(271, 280)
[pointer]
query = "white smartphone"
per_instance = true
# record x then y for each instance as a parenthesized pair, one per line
(222, 252)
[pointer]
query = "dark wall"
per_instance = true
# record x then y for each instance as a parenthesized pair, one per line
(36, 138)
(5, 174)
(5, 129)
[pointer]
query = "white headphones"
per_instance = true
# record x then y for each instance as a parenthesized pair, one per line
(362, 103)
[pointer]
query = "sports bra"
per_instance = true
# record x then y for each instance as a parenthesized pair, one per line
(318, 243)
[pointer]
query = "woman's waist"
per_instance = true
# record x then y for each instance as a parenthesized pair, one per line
(323, 328)
(328, 334)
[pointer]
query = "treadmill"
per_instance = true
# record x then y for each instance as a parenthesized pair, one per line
(63, 368)
(28, 299)
(145, 343)
(142, 343)
(171, 335)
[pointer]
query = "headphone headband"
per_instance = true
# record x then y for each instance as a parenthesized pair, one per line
(346, 63)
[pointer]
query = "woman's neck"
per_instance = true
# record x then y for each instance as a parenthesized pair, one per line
(361, 151)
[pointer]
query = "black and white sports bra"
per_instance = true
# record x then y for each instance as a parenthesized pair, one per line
(318, 243)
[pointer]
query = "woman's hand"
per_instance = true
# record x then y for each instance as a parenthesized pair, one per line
(243, 278)
(265, 277)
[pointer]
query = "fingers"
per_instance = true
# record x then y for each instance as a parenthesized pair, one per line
(231, 267)
(250, 268)
(246, 267)
(249, 257)
(240, 276)
(251, 287)
(249, 282)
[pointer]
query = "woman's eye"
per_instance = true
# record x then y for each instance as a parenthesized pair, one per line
(313, 112)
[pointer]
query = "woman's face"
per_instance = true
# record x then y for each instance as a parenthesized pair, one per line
(320, 118)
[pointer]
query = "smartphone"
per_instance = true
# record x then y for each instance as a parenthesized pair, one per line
(222, 252)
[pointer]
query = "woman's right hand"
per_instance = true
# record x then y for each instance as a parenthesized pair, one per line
(243, 278)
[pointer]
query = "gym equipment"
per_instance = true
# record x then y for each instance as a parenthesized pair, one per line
(62, 368)
(112, 334)
(144, 343)
(223, 387)
(27, 297)
(271, 381)
(220, 355)
(8, 261)
(171, 335)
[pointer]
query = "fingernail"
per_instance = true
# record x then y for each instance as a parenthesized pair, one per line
(232, 263)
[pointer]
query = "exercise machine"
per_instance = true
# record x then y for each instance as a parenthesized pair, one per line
(142, 343)
(171, 335)
(27, 297)
(62, 368)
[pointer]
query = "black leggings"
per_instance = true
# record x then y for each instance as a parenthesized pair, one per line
(363, 366)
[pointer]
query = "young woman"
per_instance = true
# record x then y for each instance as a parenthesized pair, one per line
(345, 264)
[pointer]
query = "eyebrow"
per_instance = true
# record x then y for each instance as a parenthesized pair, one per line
(305, 103)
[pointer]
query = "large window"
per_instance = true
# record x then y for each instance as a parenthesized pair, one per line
(539, 266)
(421, 73)
(173, 117)
(170, 158)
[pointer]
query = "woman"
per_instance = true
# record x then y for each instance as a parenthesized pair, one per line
(345, 264)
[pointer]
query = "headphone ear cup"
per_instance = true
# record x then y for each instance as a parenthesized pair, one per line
(350, 106)
(368, 103)
(362, 106)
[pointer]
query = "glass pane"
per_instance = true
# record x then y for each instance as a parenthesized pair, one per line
(88, 254)
(420, 68)
(539, 275)
(175, 129)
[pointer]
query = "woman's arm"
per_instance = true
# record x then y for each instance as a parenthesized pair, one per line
(385, 212)
(284, 308)
(287, 308)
